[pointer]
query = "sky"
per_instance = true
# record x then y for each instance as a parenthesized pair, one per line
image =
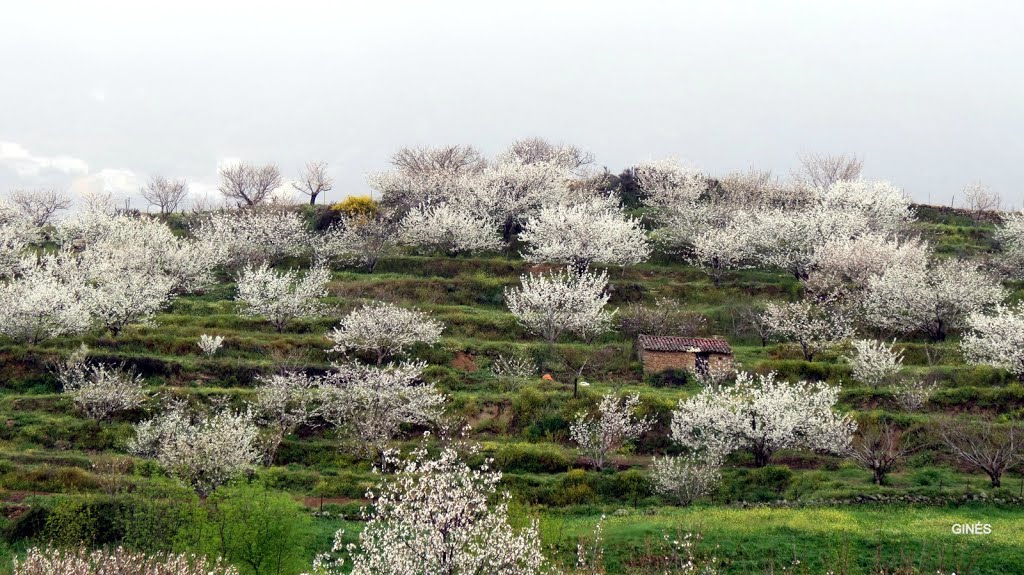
(99, 95)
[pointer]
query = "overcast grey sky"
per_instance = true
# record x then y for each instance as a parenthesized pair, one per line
(103, 94)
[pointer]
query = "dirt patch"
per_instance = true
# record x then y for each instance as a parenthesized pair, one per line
(465, 362)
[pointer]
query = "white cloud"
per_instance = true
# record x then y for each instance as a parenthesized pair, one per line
(117, 182)
(26, 164)
(227, 162)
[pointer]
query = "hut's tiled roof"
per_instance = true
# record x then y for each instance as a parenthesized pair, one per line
(690, 344)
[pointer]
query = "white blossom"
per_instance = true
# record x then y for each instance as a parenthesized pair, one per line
(789, 239)
(283, 403)
(144, 245)
(558, 302)
(119, 561)
(449, 229)
(849, 264)
(763, 415)
(253, 236)
(615, 424)
(728, 247)
(1010, 235)
(371, 404)
(281, 297)
(582, 233)
(685, 478)
(816, 327)
(99, 390)
(531, 151)
(931, 299)
(440, 516)
(875, 362)
(358, 239)
(17, 233)
(384, 330)
(210, 344)
(884, 207)
(44, 302)
(510, 192)
(204, 451)
(913, 394)
(996, 340)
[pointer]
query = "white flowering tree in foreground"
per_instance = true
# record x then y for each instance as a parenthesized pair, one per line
(283, 403)
(931, 300)
(384, 330)
(438, 516)
(875, 362)
(371, 404)
(204, 451)
(555, 303)
(997, 340)
(815, 327)
(762, 415)
(119, 561)
(281, 297)
(615, 424)
(582, 233)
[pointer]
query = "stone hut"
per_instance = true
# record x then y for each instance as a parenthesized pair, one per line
(694, 354)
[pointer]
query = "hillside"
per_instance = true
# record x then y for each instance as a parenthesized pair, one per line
(63, 476)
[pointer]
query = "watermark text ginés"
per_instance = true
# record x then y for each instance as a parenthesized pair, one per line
(972, 528)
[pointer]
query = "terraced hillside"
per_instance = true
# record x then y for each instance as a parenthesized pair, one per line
(68, 478)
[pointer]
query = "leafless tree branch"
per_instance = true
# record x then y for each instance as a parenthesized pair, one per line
(314, 181)
(41, 204)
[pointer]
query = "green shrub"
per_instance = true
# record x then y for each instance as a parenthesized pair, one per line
(532, 458)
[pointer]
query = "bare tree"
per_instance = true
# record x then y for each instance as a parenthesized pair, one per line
(314, 181)
(879, 447)
(450, 160)
(248, 184)
(164, 193)
(982, 444)
(979, 198)
(539, 150)
(41, 204)
(823, 170)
